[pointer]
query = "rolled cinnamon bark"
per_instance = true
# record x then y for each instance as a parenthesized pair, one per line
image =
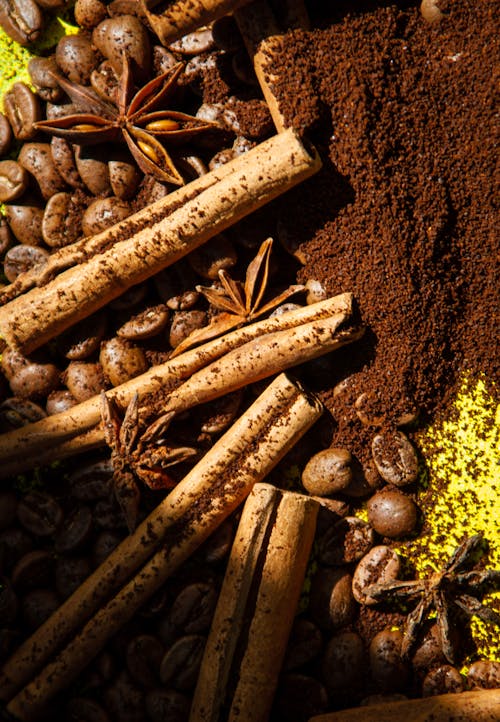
(190, 513)
(478, 706)
(256, 178)
(256, 607)
(79, 428)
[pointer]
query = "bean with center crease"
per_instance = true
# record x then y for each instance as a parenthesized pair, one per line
(23, 109)
(13, 180)
(22, 20)
(19, 259)
(42, 72)
(25, 219)
(5, 134)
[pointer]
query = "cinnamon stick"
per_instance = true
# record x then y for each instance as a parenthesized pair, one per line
(256, 178)
(79, 428)
(256, 607)
(191, 512)
(477, 706)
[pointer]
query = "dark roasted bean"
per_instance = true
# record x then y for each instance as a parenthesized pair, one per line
(35, 381)
(19, 259)
(76, 57)
(146, 324)
(84, 338)
(328, 472)
(16, 412)
(124, 700)
(298, 698)
(5, 134)
(59, 401)
(89, 13)
(346, 541)
(103, 213)
(304, 644)
(429, 650)
(342, 666)
(25, 221)
(104, 80)
(93, 168)
(6, 238)
(163, 60)
(33, 570)
(108, 515)
(83, 709)
(22, 108)
(183, 323)
(13, 180)
(191, 612)
(42, 72)
(388, 669)
(217, 416)
(92, 481)
(395, 458)
(121, 360)
(8, 509)
(218, 544)
(124, 33)
(61, 223)
(143, 658)
(70, 572)
(181, 663)
(84, 379)
(331, 602)
(59, 110)
(75, 530)
(167, 705)
(391, 513)
(484, 674)
(64, 160)
(37, 606)
(216, 255)
(442, 680)
(124, 177)
(380, 564)
(40, 513)
(21, 19)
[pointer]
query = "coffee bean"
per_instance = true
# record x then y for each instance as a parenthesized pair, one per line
(6, 238)
(5, 132)
(181, 663)
(105, 543)
(184, 323)
(328, 472)
(8, 509)
(42, 73)
(346, 541)
(146, 324)
(76, 58)
(190, 613)
(368, 407)
(83, 339)
(75, 531)
(143, 658)
(33, 570)
(25, 221)
(61, 221)
(89, 13)
(195, 43)
(121, 360)
(70, 573)
(218, 544)
(64, 160)
(22, 108)
(13, 180)
(191, 166)
(442, 680)
(124, 34)
(84, 379)
(226, 34)
(103, 213)
(39, 513)
(298, 698)
(216, 255)
(331, 602)
(37, 606)
(395, 458)
(124, 177)
(108, 515)
(124, 700)
(93, 168)
(167, 705)
(221, 158)
(22, 20)
(304, 644)
(130, 299)
(53, 111)
(59, 401)
(381, 564)
(35, 381)
(104, 80)
(83, 709)
(8, 602)
(388, 669)
(392, 514)
(16, 412)
(217, 416)
(14, 543)
(342, 666)
(20, 259)
(184, 302)
(484, 674)
(92, 481)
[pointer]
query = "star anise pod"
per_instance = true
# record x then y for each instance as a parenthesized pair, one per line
(240, 303)
(440, 592)
(137, 118)
(136, 456)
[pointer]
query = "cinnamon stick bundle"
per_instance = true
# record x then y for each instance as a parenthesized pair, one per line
(188, 515)
(256, 607)
(477, 706)
(199, 375)
(256, 177)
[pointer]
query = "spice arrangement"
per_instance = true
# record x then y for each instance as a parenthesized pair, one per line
(196, 198)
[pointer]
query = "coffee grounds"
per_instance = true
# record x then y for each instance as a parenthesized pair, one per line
(402, 213)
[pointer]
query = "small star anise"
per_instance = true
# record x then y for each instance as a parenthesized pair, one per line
(239, 303)
(443, 589)
(145, 457)
(136, 118)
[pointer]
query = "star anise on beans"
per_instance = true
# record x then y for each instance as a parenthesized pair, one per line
(440, 592)
(238, 302)
(138, 118)
(135, 456)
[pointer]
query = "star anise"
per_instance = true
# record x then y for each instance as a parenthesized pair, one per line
(138, 456)
(240, 303)
(439, 592)
(136, 118)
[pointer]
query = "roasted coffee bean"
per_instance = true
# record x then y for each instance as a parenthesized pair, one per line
(12, 361)
(59, 401)
(190, 613)
(35, 381)
(221, 158)
(181, 663)
(191, 166)
(93, 168)
(428, 651)
(484, 674)
(39, 513)
(124, 177)
(16, 412)
(13, 180)
(304, 644)
(195, 43)
(163, 60)
(84, 379)
(124, 700)
(167, 705)
(442, 680)
(108, 515)
(5, 131)
(14, 543)
(92, 481)
(53, 111)
(146, 324)
(381, 564)
(89, 13)
(61, 223)
(42, 73)
(130, 299)
(392, 514)
(329, 513)
(368, 408)
(33, 570)
(76, 58)
(25, 221)
(104, 80)
(331, 602)
(103, 213)
(105, 543)
(8, 509)
(124, 34)
(217, 416)
(83, 339)
(328, 472)
(83, 709)
(37, 606)
(184, 302)
(284, 308)
(216, 255)
(226, 34)
(346, 541)
(8, 602)
(342, 666)
(143, 658)
(298, 698)
(22, 20)
(388, 669)
(395, 458)
(19, 259)
(75, 531)
(121, 360)
(23, 109)
(174, 282)
(70, 572)
(6, 238)
(64, 160)
(184, 323)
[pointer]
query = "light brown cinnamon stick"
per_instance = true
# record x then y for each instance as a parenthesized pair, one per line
(478, 706)
(256, 177)
(79, 428)
(256, 607)
(191, 512)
